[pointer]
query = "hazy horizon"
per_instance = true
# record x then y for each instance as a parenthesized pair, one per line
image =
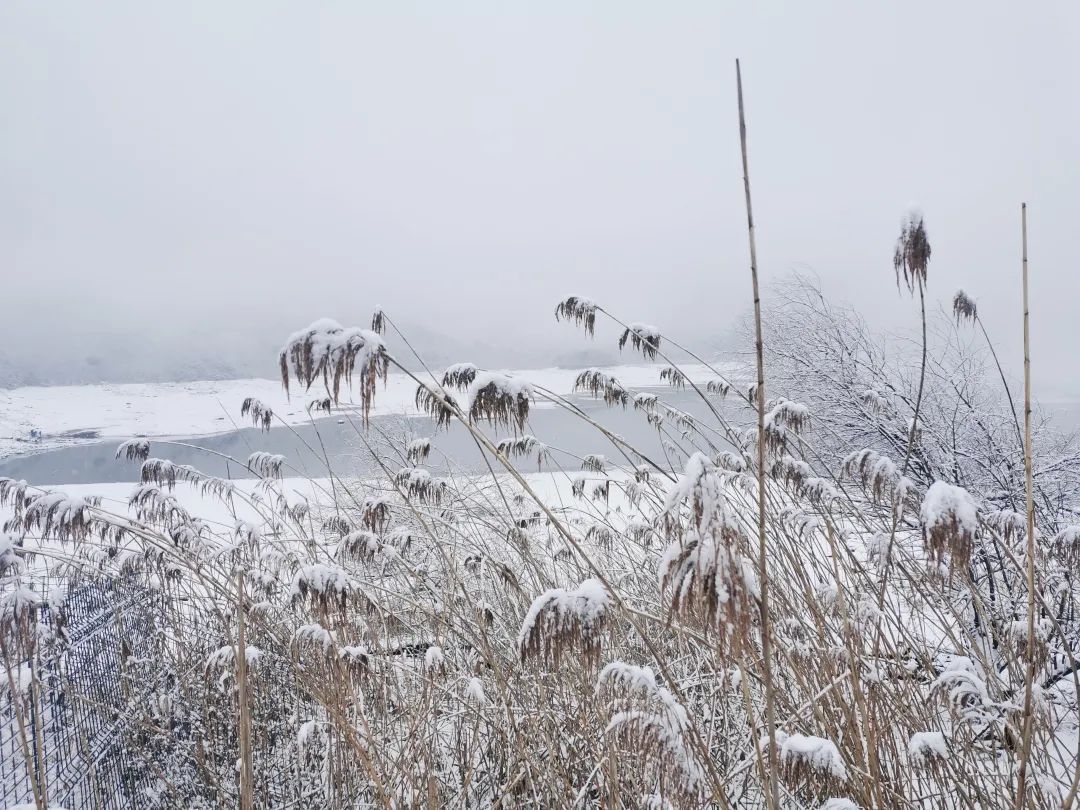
(183, 185)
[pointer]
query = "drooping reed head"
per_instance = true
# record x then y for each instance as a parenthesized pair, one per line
(562, 621)
(963, 307)
(912, 255)
(327, 350)
(643, 337)
(260, 413)
(578, 310)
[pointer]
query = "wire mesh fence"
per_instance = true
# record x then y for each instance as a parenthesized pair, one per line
(70, 730)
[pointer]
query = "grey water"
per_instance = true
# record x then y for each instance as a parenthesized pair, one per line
(344, 446)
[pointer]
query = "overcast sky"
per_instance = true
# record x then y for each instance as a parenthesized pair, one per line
(203, 168)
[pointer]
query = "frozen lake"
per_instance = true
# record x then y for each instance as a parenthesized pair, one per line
(340, 444)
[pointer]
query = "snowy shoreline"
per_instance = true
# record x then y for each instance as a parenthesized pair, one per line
(83, 414)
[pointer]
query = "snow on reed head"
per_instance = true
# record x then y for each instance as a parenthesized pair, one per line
(358, 545)
(266, 465)
(643, 337)
(62, 517)
(524, 445)
(418, 450)
(260, 413)
(561, 621)
(1066, 547)
(653, 725)
(912, 255)
(434, 660)
(133, 450)
(417, 483)
(19, 609)
(1017, 639)
(673, 377)
(708, 581)
(813, 762)
(927, 749)
(10, 560)
(963, 690)
(326, 349)
(580, 311)
(474, 693)
(598, 383)
(459, 375)
(436, 403)
(499, 399)
(378, 321)
(949, 518)
(879, 475)
(321, 586)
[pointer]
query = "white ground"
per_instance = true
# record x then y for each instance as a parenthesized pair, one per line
(201, 408)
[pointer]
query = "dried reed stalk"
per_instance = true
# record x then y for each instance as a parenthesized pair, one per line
(1025, 751)
(763, 571)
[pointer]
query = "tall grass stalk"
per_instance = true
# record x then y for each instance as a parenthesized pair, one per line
(763, 568)
(1025, 752)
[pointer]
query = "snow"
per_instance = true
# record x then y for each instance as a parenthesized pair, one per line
(926, 746)
(944, 503)
(433, 658)
(320, 579)
(315, 634)
(79, 414)
(820, 754)
(474, 692)
(586, 604)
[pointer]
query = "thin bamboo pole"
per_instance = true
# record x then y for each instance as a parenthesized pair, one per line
(1025, 751)
(763, 570)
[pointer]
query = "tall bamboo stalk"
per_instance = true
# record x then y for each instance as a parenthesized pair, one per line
(1025, 751)
(763, 571)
